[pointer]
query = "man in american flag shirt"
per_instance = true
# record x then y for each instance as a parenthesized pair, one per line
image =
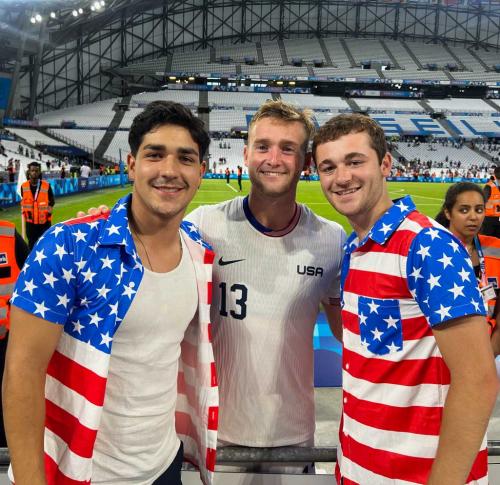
(111, 316)
(419, 380)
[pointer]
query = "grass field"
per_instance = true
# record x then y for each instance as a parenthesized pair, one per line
(427, 196)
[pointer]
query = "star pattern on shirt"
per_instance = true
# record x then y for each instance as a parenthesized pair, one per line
(380, 332)
(83, 275)
(439, 277)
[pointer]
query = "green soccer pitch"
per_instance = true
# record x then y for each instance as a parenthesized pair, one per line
(427, 196)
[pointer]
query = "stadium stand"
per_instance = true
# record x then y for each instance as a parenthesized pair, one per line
(226, 152)
(442, 154)
(376, 105)
(35, 137)
(316, 102)
(98, 114)
(86, 139)
(242, 99)
(460, 104)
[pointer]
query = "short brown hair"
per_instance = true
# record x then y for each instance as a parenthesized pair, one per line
(285, 112)
(344, 124)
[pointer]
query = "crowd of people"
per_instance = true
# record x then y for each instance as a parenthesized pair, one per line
(139, 337)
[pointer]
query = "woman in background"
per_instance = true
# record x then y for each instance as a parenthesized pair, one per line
(463, 214)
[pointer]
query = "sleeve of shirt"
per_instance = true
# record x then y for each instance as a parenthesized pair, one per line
(46, 286)
(440, 277)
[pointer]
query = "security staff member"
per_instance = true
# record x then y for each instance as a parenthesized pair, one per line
(13, 253)
(491, 224)
(36, 204)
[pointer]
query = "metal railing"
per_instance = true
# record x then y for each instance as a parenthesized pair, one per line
(291, 454)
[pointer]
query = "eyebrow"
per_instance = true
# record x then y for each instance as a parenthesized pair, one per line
(351, 155)
(282, 142)
(181, 150)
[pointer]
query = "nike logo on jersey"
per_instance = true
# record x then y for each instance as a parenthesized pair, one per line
(224, 263)
(310, 270)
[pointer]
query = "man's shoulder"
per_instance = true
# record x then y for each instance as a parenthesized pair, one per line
(314, 220)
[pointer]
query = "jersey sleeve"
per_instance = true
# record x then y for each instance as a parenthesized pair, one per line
(46, 286)
(440, 277)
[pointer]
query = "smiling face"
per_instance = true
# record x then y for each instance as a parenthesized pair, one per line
(275, 156)
(466, 215)
(353, 179)
(166, 172)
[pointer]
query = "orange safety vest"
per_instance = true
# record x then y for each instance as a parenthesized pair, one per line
(36, 211)
(490, 247)
(492, 207)
(9, 271)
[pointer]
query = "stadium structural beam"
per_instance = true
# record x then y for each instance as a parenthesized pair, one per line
(17, 68)
(35, 74)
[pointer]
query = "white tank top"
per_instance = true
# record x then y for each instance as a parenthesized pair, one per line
(266, 297)
(136, 441)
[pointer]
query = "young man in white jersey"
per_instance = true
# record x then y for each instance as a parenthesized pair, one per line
(276, 263)
(98, 317)
(419, 381)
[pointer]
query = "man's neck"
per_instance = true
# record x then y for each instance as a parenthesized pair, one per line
(363, 224)
(272, 212)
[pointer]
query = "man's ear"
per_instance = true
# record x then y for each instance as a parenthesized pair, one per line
(131, 166)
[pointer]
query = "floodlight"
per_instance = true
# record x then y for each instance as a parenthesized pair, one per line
(38, 17)
(80, 10)
(52, 15)
(33, 20)
(74, 13)
(102, 3)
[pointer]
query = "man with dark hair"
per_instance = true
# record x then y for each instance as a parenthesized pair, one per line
(414, 409)
(37, 202)
(491, 224)
(111, 318)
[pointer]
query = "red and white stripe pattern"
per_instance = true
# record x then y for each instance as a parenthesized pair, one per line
(392, 403)
(77, 372)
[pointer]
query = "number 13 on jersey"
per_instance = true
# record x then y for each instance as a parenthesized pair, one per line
(237, 297)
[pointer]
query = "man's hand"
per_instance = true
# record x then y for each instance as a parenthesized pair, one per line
(93, 211)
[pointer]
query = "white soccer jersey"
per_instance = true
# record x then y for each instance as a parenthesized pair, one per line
(266, 296)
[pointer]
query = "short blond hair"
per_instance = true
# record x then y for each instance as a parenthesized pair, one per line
(286, 113)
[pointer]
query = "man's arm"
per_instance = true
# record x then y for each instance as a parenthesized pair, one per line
(333, 314)
(32, 342)
(465, 347)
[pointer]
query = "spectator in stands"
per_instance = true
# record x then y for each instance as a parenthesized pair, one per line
(36, 204)
(47, 163)
(491, 224)
(63, 171)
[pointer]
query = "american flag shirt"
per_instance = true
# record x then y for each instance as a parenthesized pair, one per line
(83, 274)
(408, 275)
